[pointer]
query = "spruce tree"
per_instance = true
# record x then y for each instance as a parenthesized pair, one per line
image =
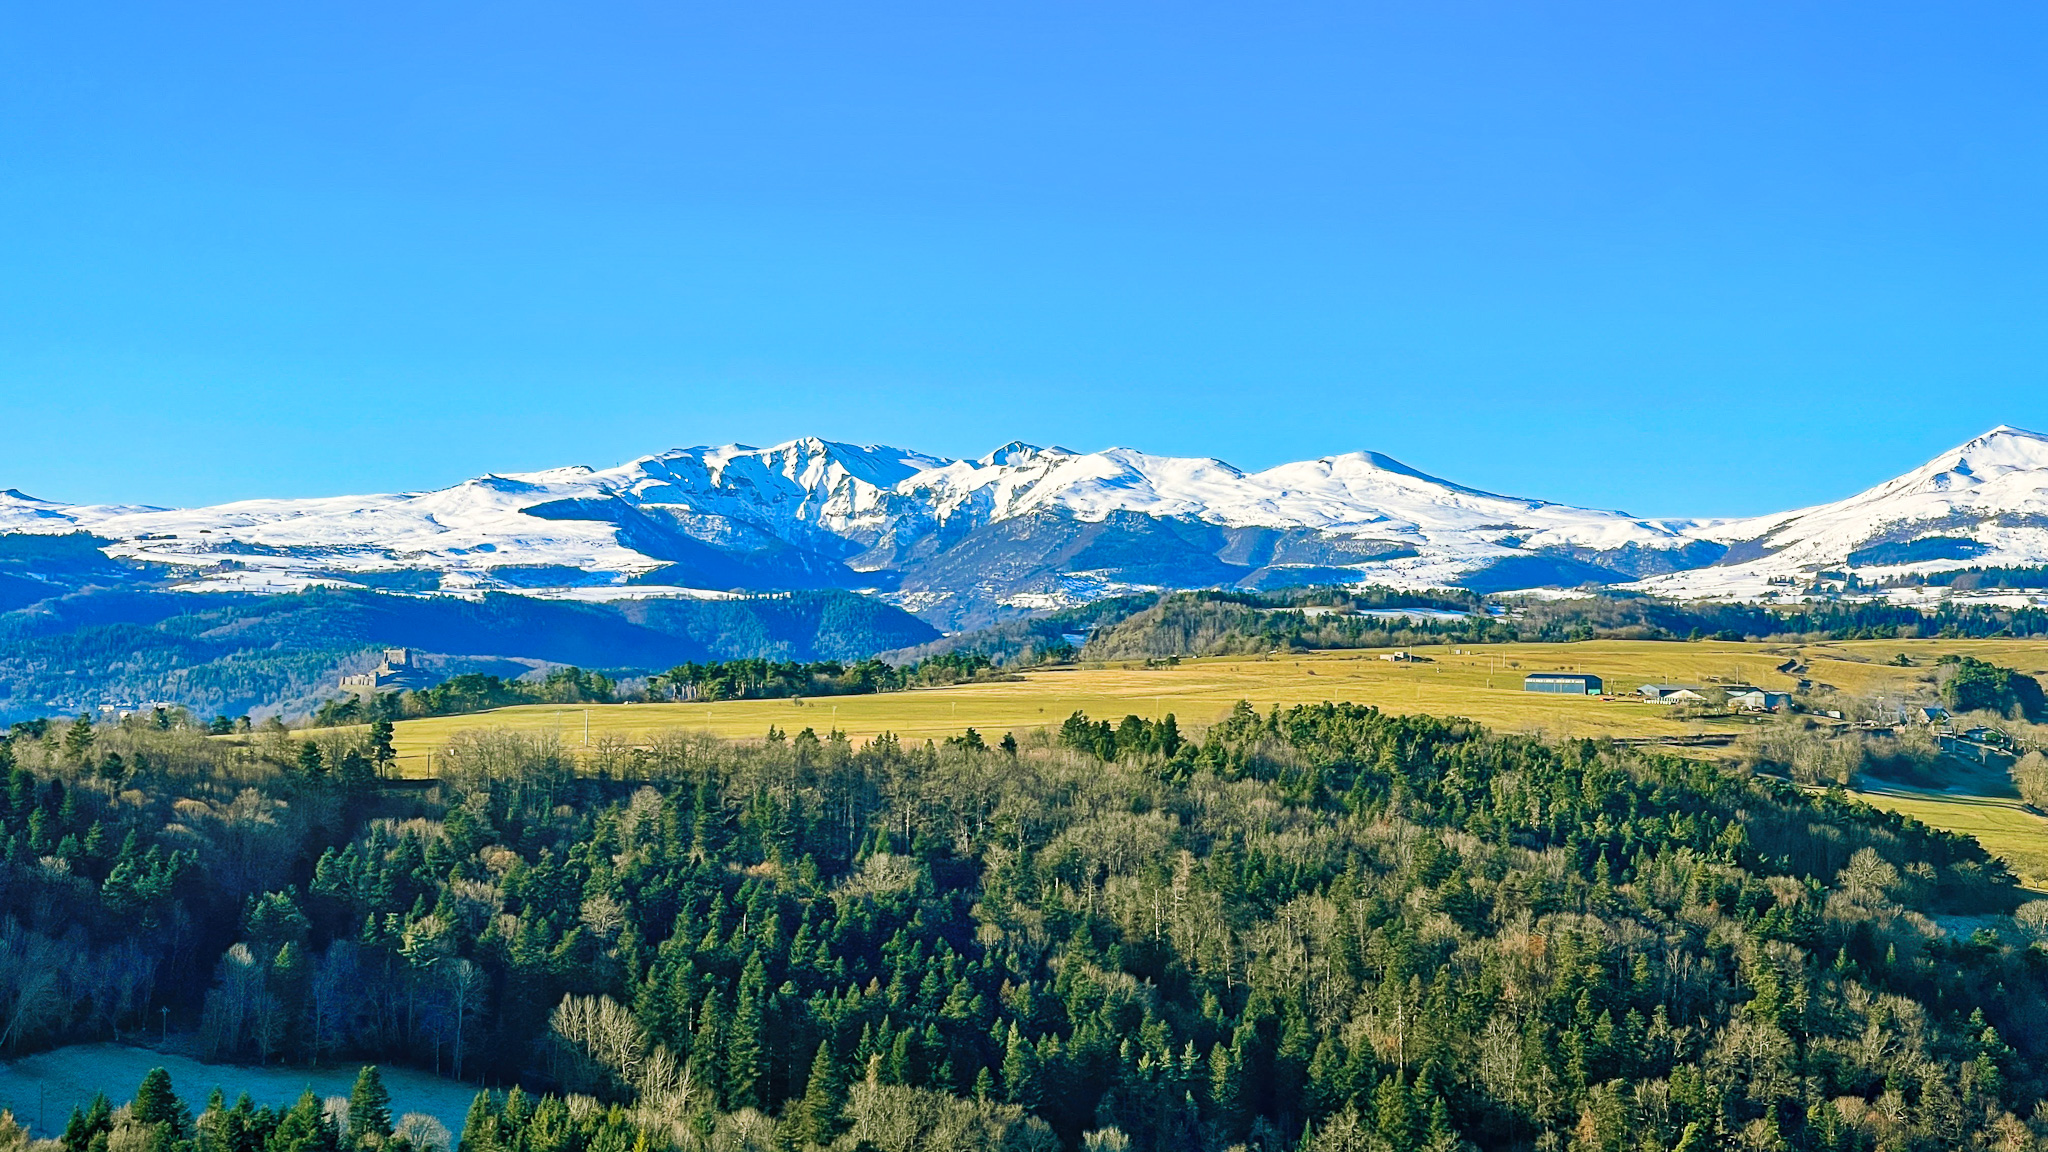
(1226, 1090)
(155, 1103)
(80, 1129)
(480, 1126)
(369, 1109)
(1440, 1136)
(1392, 1116)
(708, 1042)
(746, 1043)
(209, 1131)
(381, 751)
(357, 773)
(78, 739)
(305, 1128)
(1020, 1071)
(824, 1096)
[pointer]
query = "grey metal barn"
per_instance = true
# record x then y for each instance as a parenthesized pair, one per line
(1562, 683)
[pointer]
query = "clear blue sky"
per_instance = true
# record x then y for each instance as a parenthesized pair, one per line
(1708, 259)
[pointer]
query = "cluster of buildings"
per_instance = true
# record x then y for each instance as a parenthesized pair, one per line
(400, 671)
(1742, 697)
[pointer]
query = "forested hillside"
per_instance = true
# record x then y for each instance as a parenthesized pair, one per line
(232, 653)
(1230, 622)
(1322, 927)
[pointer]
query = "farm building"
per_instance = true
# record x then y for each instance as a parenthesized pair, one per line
(1562, 683)
(1669, 693)
(1758, 700)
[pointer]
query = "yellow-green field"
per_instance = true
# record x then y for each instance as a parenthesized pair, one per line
(2005, 827)
(1483, 683)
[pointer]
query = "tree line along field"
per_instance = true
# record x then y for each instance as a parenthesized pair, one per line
(1480, 683)
(1327, 928)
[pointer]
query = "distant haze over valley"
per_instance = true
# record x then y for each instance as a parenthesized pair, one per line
(1027, 528)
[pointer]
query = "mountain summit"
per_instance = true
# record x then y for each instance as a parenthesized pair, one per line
(1983, 503)
(1025, 527)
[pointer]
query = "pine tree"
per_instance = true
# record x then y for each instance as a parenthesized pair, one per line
(480, 1126)
(95, 1119)
(1392, 1117)
(382, 753)
(746, 1047)
(1226, 1091)
(78, 738)
(824, 1096)
(1439, 1135)
(369, 1109)
(1020, 1071)
(155, 1103)
(305, 1128)
(209, 1130)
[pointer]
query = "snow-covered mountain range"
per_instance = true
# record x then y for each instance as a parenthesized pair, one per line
(960, 541)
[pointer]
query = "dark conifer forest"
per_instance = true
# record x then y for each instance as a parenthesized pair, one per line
(1320, 928)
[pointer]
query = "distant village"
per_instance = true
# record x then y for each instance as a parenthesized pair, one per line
(1989, 746)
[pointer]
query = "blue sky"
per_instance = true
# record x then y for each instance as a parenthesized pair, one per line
(1706, 260)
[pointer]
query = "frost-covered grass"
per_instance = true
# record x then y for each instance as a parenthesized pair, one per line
(42, 1089)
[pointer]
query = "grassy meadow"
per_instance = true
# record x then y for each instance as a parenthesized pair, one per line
(1484, 683)
(2005, 827)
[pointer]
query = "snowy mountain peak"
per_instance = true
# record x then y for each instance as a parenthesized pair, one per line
(2003, 448)
(1982, 503)
(1029, 526)
(1381, 468)
(2006, 432)
(1014, 453)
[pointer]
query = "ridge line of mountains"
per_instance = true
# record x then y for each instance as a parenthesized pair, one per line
(813, 550)
(963, 543)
